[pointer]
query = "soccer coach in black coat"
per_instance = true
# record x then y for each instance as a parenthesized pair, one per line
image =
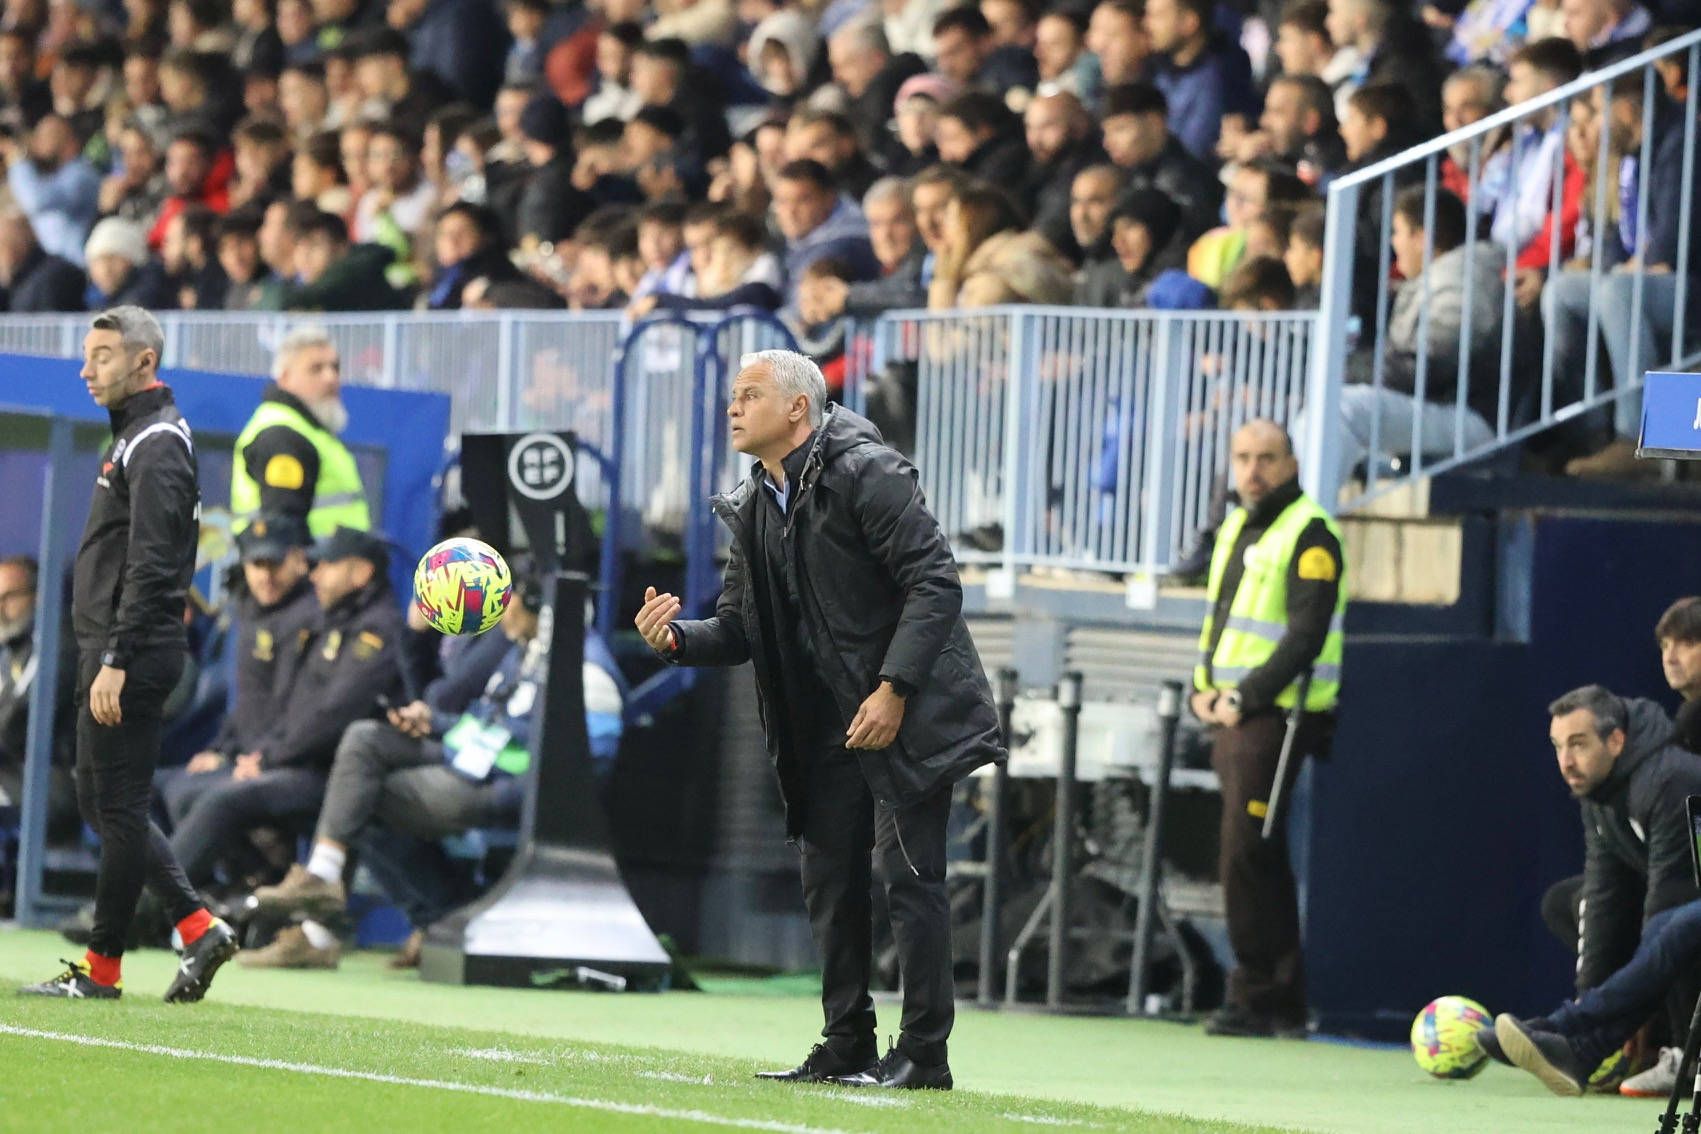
(843, 594)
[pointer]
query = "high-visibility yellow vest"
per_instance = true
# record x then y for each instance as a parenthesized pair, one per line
(1258, 615)
(338, 499)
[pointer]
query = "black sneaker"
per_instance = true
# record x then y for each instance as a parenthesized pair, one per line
(897, 1071)
(199, 962)
(1490, 1044)
(821, 1065)
(1546, 1055)
(73, 984)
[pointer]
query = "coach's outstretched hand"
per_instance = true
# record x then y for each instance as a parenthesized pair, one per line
(653, 619)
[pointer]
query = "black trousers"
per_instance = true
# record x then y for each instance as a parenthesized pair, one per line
(1261, 900)
(214, 811)
(845, 837)
(115, 770)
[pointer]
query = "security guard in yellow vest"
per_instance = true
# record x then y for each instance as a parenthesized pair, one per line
(1276, 597)
(288, 457)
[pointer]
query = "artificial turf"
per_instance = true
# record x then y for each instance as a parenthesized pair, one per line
(366, 1049)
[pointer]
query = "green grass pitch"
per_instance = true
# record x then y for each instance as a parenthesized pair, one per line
(367, 1050)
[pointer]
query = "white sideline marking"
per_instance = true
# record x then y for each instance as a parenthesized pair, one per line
(499, 1055)
(435, 1084)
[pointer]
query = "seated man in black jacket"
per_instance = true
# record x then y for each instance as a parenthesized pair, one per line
(19, 669)
(1618, 758)
(348, 662)
(34, 280)
(275, 615)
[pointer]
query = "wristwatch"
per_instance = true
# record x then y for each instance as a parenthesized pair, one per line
(1232, 699)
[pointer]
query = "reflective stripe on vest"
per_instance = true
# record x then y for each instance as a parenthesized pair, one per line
(338, 499)
(1257, 616)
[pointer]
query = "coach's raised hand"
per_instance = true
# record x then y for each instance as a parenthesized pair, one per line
(654, 618)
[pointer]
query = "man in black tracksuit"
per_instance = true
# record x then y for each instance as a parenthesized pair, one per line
(275, 613)
(129, 590)
(349, 661)
(843, 594)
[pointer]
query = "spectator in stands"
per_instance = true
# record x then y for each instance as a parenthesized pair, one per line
(964, 52)
(869, 74)
(819, 223)
(1304, 256)
(252, 286)
(189, 256)
(262, 160)
(549, 207)
(24, 96)
(468, 247)
(34, 280)
(389, 91)
(1060, 54)
(782, 51)
(1135, 122)
(141, 87)
(696, 21)
(1375, 127)
(136, 188)
(976, 133)
(1304, 47)
(276, 613)
(73, 83)
(1092, 198)
(1259, 284)
(316, 175)
(1013, 22)
(1618, 758)
(256, 43)
(121, 271)
(1297, 129)
(916, 116)
(18, 669)
(398, 205)
(1678, 633)
(296, 32)
(1635, 339)
(1440, 270)
(1061, 143)
(1396, 50)
(653, 154)
(304, 99)
(186, 85)
(528, 24)
(1144, 234)
(1605, 31)
(614, 97)
(57, 189)
(189, 180)
(1469, 95)
(1252, 189)
(461, 44)
(660, 70)
(603, 238)
(1204, 75)
(988, 259)
(276, 240)
(1116, 35)
(1517, 187)
(892, 234)
(738, 271)
(330, 274)
(347, 663)
(829, 138)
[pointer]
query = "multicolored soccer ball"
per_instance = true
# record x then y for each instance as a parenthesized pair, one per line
(1444, 1037)
(462, 586)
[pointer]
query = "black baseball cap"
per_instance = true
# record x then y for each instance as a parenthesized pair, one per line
(352, 543)
(270, 535)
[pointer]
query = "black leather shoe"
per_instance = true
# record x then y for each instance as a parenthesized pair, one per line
(1490, 1044)
(898, 1071)
(821, 1065)
(199, 962)
(1546, 1055)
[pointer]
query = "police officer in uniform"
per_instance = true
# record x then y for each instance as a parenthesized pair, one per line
(275, 614)
(1275, 602)
(288, 457)
(349, 661)
(129, 589)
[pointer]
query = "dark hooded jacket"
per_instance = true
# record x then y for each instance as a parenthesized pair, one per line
(880, 598)
(1636, 842)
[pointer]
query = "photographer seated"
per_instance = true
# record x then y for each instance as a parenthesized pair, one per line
(275, 614)
(426, 776)
(1630, 779)
(347, 663)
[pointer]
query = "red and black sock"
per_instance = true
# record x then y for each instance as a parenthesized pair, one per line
(192, 927)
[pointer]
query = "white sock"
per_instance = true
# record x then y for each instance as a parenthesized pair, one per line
(317, 935)
(326, 862)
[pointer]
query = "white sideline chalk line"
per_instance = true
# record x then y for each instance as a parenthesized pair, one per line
(640, 1109)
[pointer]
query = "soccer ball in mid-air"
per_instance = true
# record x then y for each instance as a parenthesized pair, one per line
(1444, 1037)
(462, 586)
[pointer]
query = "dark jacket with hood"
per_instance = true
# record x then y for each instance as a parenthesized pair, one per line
(1636, 842)
(880, 600)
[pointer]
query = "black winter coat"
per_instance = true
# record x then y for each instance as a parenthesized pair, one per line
(1636, 842)
(881, 598)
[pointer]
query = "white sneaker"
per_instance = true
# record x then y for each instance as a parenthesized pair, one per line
(1657, 1081)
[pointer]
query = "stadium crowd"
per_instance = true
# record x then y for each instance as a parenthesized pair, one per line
(827, 159)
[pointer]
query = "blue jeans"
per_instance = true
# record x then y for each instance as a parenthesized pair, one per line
(1602, 1018)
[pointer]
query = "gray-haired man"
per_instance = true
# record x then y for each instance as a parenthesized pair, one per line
(288, 457)
(128, 591)
(842, 593)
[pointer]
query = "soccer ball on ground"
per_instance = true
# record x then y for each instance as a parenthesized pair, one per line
(462, 586)
(1444, 1037)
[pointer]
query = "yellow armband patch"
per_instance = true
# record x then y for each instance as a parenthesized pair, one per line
(284, 471)
(1317, 565)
